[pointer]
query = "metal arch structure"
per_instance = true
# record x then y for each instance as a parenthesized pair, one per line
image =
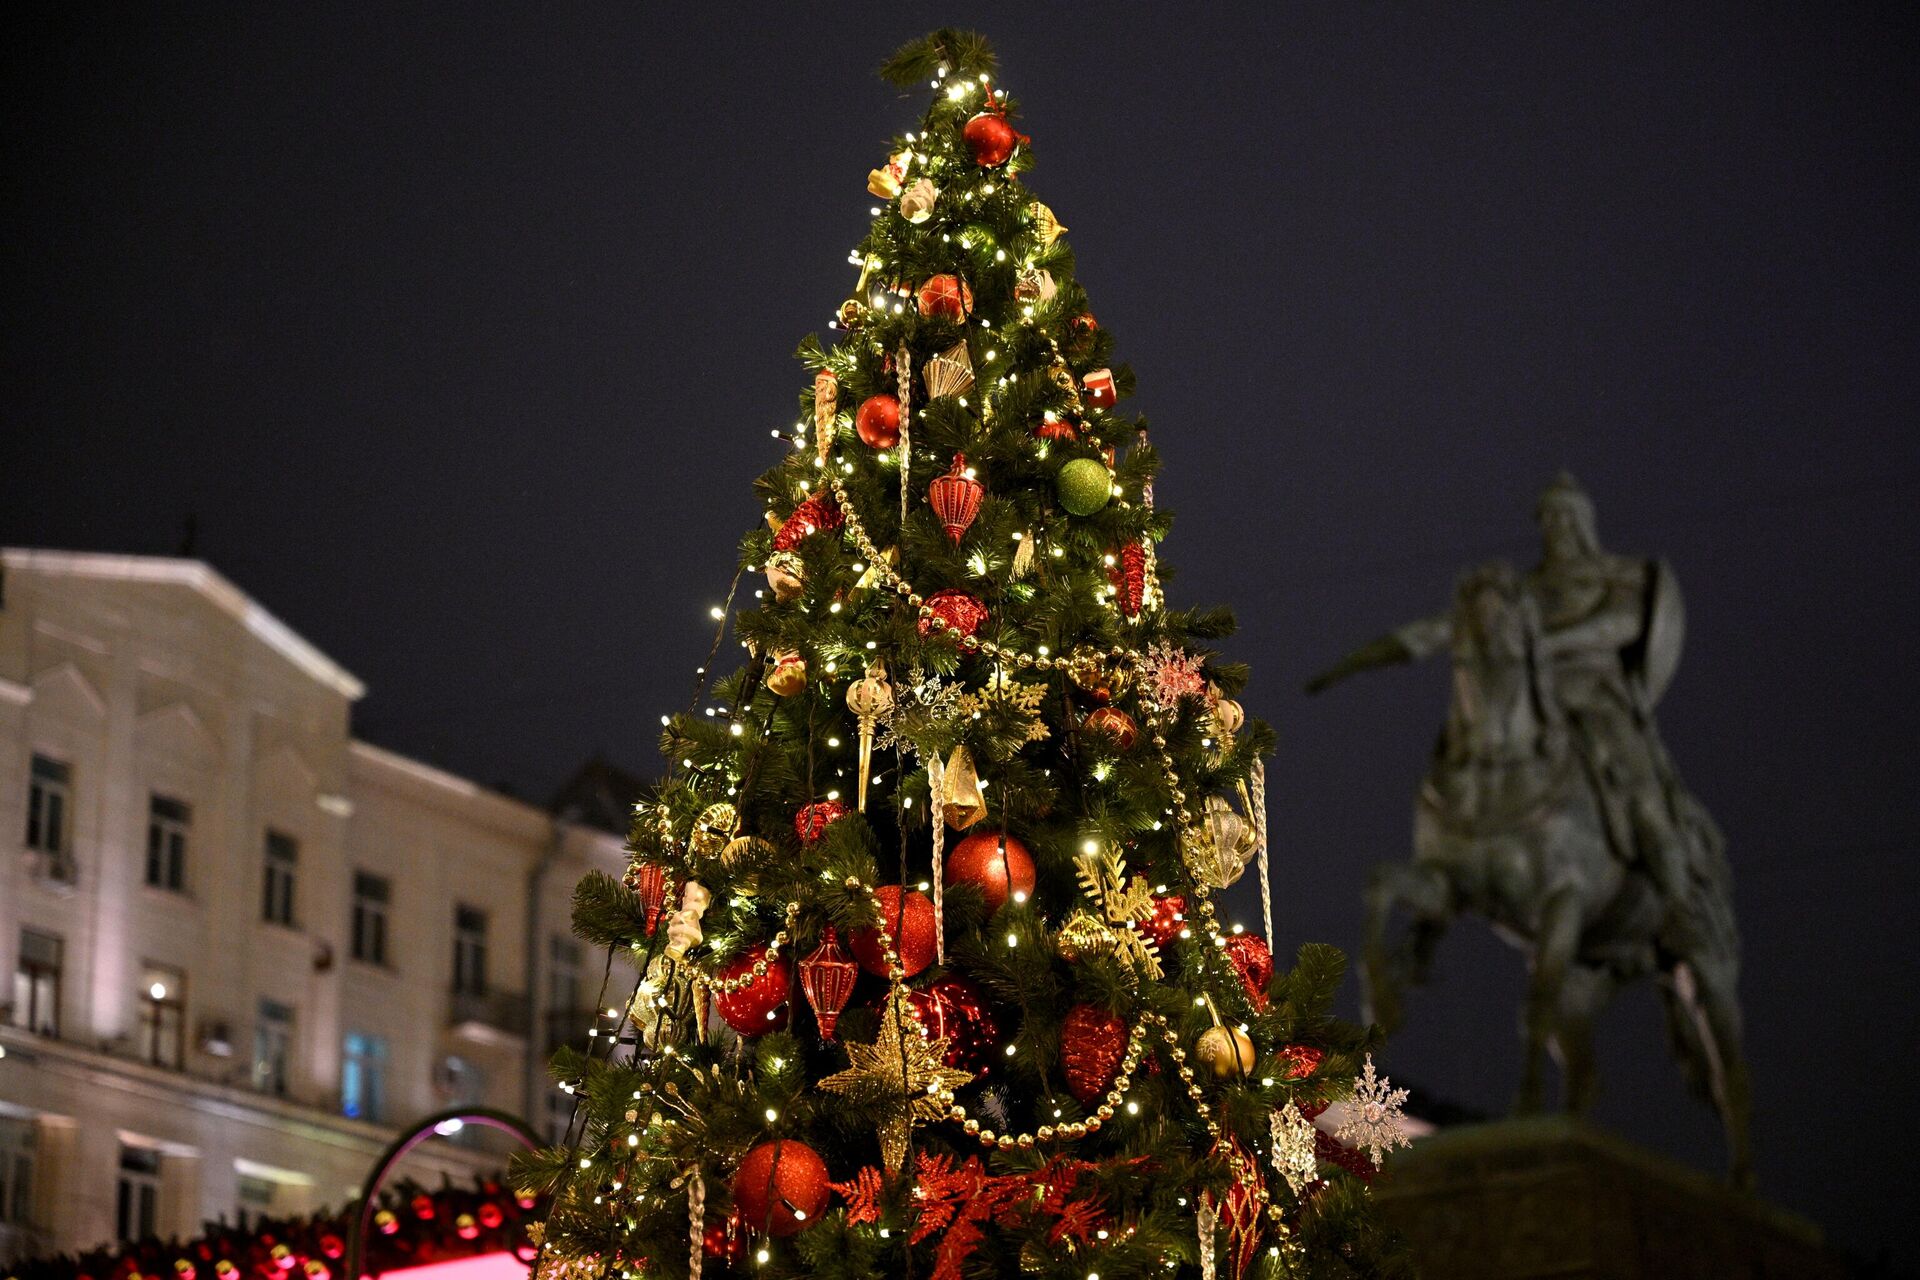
(429, 1127)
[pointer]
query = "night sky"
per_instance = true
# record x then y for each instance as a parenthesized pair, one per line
(462, 335)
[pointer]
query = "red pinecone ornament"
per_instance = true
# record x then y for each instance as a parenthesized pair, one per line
(956, 498)
(961, 612)
(760, 1006)
(1253, 961)
(909, 918)
(813, 819)
(827, 976)
(1092, 1043)
(1128, 574)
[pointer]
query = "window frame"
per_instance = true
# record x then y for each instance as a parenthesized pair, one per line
(136, 1189)
(49, 805)
(274, 1026)
(280, 866)
(32, 973)
(168, 841)
(367, 930)
(163, 1018)
(469, 950)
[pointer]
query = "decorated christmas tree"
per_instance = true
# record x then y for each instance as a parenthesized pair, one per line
(920, 967)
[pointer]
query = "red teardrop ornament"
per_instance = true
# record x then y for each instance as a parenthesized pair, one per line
(956, 498)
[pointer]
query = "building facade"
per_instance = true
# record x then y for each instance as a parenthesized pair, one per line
(244, 947)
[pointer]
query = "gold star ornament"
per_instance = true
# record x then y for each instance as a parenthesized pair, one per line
(904, 1073)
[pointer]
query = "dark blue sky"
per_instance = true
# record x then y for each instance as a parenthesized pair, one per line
(463, 334)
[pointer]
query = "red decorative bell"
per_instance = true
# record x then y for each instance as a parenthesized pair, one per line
(827, 976)
(956, 498)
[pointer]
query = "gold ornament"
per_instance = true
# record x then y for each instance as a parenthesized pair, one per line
(788, 675)
(903, 1072)
(1023, 556)
(950, 373)
(1218, 847)
(885, 183)
(851, 314)
(826, 398)
(1123, 902)
(1082, 935)
(1004, 695)
(787, 575)
(916, 206)
(1063, 378)
(1046, 227)
(960, 801)
(869, 699)
(1226, 1051)
(714, 827)
(1228, 717)
(743, 847)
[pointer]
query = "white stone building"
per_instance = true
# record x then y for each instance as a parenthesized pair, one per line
(244, 947)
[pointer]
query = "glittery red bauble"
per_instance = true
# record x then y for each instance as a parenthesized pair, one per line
(955, 498)
(761, 1005)
(1168, 919)
(817, 512)
(953, 1010)
(1301, 1059)
(827, 977)
(961, 612)
(878, 421)
(781, 1187)
(1057, 429)
(1092, 1043)
(990, 138)
(726, 1240)
(945, 297)
(1128, 574)
(910, 920)
(999, 864)
(813, 820)
(1116, 724)
(1253, 961)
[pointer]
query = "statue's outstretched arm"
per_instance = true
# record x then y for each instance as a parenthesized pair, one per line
(1407, 644)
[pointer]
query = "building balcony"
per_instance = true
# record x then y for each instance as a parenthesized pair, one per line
(488, 1016)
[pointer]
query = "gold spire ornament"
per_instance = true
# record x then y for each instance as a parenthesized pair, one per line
(826, 399)
(1046, 227)
(960, 801)
(869, 698)
(903, 1071)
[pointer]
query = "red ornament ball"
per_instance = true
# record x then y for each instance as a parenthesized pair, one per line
(954, 1010)
(726, 1241)
(1114, 723)
(962, 614)
(761, 1005)
(781, 1187)
(909, 918)
(999, 864)
(1168, 919)
(878, 421)
(990, 138)
(813, 820)
(491, 1216)
(1253, 961)
(1092, 1043)
(945, 297)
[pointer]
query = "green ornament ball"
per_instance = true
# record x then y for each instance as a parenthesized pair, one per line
(1084, 486)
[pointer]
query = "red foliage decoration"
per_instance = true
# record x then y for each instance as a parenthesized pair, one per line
(817, 512)
(827, 976)
(1128, 574)
(1251, 959)
(1092, 1043)
(956, 498)
(1302, 1059)
(961, 612)
(813, 819)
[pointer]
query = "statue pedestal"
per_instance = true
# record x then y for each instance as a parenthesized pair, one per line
(1552, 1197)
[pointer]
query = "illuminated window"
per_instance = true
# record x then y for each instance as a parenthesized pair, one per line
(163, 1015)
(36, 983)
(363, 1070)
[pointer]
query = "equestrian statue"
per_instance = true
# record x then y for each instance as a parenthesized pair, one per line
(1552, 809)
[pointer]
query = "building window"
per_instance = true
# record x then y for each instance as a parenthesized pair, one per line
(163, 1015)
(563, 990)
(272, 1046)
(256, 1199)
(138, 1193)
(282, 857)
(371, 894)
(469, 951)
(16, 1172)
(49, 797)
(363, 1072)
(167, 823)
(36, 983)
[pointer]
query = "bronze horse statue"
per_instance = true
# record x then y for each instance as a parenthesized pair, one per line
(1550, 808)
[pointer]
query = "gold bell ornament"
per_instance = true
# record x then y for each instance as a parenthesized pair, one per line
(869, 698)
(960, 801)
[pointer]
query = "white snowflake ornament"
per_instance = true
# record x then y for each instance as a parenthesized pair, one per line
(1293, 1147)
(1375, 1120)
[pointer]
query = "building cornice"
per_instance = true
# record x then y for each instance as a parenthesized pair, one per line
(211, 586)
